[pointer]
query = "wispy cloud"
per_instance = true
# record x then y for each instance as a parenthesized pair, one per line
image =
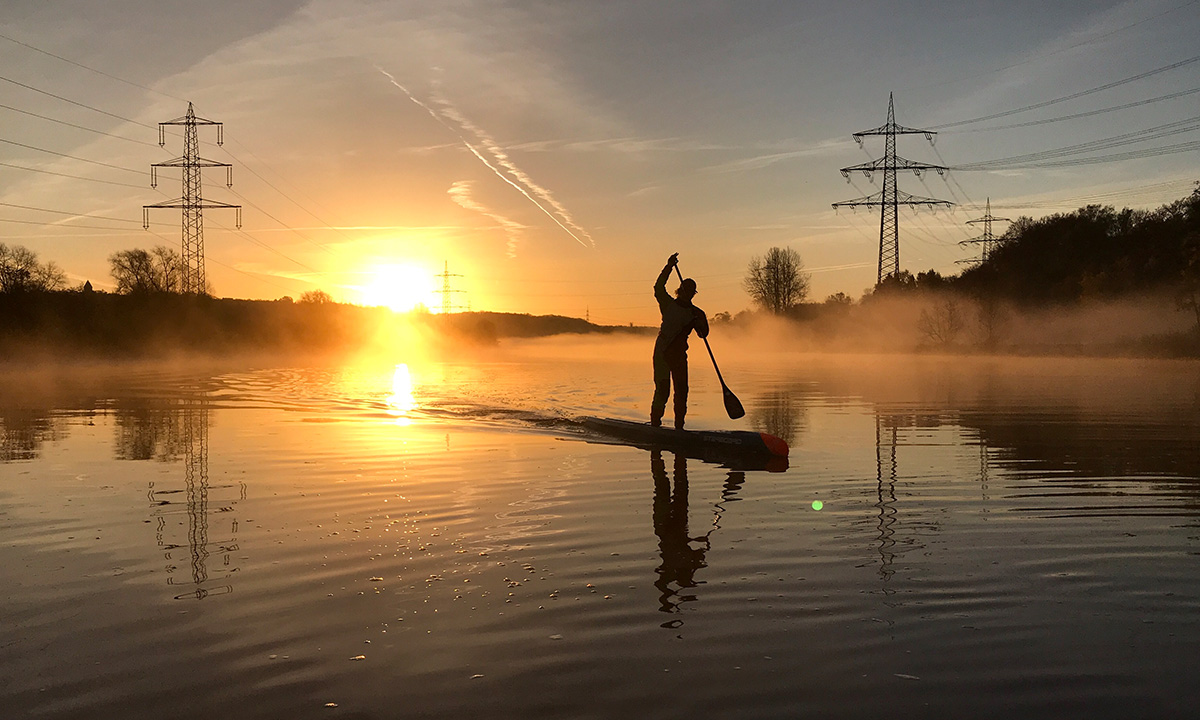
(627, 145)
(762, 160)
(460, 192)
(497, 160)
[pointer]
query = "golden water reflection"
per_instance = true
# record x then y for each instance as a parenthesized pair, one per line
(401, 402)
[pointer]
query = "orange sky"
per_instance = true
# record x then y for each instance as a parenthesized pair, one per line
(554, 159)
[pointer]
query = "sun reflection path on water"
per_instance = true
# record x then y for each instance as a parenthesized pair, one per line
(401, 402)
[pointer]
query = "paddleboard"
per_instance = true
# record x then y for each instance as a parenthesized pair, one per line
(703, 442)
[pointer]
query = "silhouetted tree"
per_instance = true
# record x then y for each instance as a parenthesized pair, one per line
(141, 271)
(902, 281)
(941, 324)
(930, 280)
(1188, 297)
(20, 271)
(777, 282)
(316, 297)
(1092, 252)
(839, 298)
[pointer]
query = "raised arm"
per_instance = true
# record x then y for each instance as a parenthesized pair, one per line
(660, 285)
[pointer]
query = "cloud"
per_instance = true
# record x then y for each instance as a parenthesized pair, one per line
(460, 192)
(760, 161)
(497, 160)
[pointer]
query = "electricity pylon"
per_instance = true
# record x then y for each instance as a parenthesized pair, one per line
(987, 239)
(447, 306)
(891, 197)
(192, 258)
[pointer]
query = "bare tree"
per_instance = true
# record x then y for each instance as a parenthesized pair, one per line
(943, 325)
(142, 271)
(20, 271)
(316, 297)
(777, 282)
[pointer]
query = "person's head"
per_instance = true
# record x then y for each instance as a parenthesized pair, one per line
(686, 290)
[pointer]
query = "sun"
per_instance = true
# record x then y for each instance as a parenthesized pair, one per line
(401, 287)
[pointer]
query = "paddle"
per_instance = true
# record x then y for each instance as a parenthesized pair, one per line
(733, 406)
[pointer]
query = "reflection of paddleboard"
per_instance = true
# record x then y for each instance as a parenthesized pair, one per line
(716, 442)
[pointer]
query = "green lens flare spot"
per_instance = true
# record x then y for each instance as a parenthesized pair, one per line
(817, 504)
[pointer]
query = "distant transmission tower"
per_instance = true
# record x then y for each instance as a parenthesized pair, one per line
(987, 239)
(890, 198)
(192, 260)
(447, 306)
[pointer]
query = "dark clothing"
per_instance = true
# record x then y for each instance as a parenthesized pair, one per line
(679, 318)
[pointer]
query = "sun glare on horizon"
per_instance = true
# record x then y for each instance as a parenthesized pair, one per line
(401, 287)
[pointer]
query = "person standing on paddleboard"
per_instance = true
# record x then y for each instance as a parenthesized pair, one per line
(679, 318)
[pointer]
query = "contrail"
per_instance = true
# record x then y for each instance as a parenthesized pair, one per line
(500, 157)
(460, 192)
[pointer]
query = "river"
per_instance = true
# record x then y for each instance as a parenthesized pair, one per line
(384, 538)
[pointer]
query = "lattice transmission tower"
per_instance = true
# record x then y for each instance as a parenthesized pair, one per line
(447, 293)
(987, 239)
(890, 198)
(191, 202)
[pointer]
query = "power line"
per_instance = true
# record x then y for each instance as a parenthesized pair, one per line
(191, 202)
(281, 192)
(73, 227)
(100, 72)
(90, 69)
(252, 276)
(281, 223)
(73, 102)
(96, 162)
(73, 177)
(1072, 96)
(1174, 185)
(70, 157)
(80, 127)
(1081, 43)
(890, 197)
(1090, 113)
(64, 212)
(1153, 133)
(1176, 149)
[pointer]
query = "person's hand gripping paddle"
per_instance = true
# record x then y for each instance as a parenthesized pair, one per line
(733, 406)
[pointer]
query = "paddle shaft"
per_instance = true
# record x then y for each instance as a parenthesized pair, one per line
(708, 347)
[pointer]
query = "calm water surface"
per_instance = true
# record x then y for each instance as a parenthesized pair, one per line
(953, 538)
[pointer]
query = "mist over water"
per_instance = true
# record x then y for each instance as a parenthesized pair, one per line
(954, 536)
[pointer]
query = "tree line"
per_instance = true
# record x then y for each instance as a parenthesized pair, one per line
(1093, 252)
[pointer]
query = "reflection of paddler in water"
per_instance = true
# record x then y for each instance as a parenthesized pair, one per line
(679, 318)
(680, 560)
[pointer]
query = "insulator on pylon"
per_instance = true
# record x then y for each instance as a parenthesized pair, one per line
(191, 201)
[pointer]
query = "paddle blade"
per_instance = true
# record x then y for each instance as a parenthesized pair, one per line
(733, 406)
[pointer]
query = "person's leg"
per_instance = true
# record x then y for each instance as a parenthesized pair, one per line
(662, 389)
(679, 374)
